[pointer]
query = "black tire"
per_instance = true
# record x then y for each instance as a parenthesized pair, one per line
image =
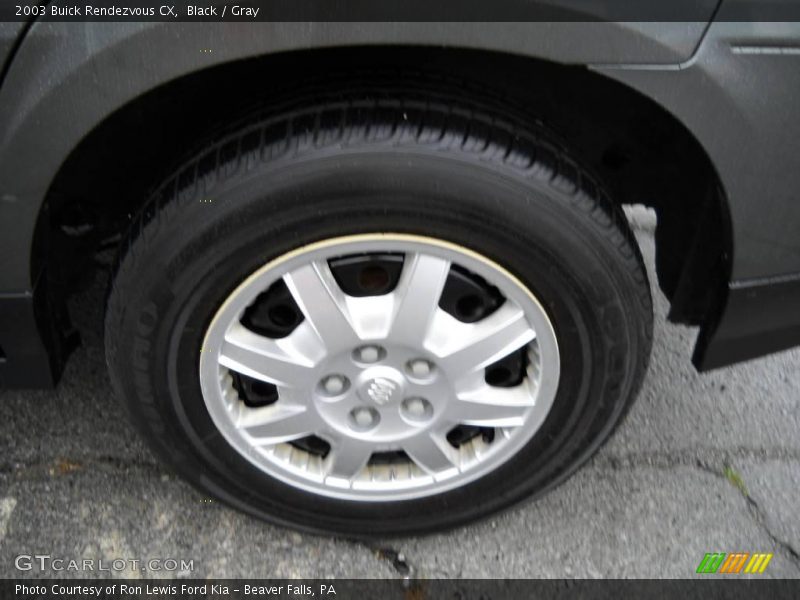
(417, 161)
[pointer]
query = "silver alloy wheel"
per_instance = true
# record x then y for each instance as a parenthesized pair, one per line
(377, 375)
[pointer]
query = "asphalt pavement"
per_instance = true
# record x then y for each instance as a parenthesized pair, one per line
(703, 463)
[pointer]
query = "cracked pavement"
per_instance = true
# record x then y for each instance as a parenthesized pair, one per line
(703, 463)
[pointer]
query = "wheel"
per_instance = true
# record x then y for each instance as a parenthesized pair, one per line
(379, 313)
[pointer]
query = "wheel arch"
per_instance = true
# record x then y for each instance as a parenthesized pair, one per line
(589, 109)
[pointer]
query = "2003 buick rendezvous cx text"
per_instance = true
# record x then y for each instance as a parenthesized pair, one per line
(374, 277)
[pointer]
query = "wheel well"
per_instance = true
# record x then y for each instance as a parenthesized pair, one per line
(643, 153)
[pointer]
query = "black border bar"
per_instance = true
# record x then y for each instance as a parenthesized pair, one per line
(707, 588)
(178, 11)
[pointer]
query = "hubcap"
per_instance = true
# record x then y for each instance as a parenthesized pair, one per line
(372, 394)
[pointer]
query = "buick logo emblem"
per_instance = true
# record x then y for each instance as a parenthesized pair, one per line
(381, 390)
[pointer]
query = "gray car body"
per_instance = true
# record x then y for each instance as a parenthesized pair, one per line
(734, 85)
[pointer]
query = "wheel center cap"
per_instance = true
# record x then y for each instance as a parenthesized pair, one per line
(381, 390)
(381, 385)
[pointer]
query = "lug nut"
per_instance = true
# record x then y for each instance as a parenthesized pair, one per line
(369, 354)
(417, 409)
(364, 418)
(334, 385)
(420, 367)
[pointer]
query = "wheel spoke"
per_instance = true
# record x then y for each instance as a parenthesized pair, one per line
(347, 457)
(467, 347)
(278, 423)
(417, 296)
(323, 303)
(432, 452)
(492, 407)
(276, 361)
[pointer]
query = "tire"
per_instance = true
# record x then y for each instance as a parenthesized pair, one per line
(411, 162)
